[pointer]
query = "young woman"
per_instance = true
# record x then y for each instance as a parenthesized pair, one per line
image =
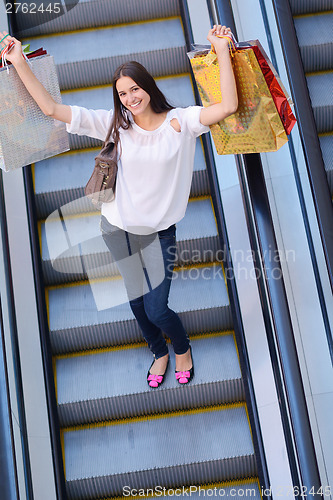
(155, 144)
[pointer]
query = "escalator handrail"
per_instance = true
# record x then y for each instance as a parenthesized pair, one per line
(8, 469)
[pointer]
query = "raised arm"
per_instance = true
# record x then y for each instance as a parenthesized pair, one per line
(217, 112)
(44, 100)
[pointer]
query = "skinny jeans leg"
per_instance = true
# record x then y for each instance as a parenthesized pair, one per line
(146, 265)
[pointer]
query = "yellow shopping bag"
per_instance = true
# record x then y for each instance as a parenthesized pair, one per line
(256, 127)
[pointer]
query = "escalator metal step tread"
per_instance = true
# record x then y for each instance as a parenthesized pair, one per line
(315, 39)
(107, 386)
(320, 88)
(70, 171)
(92, 13)
(310, 6)
(326, 144)
(198, 295)
(198, 222)
(112, 41)
(158, 45)
(200, 446)
(68, 175)
(196, 234)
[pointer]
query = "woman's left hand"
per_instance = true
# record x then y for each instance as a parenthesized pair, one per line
(213, 37)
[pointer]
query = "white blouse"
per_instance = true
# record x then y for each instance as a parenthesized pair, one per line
(154, 171)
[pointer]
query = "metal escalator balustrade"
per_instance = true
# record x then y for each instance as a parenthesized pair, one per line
(314, 89)
(115, 430)
(308, 110)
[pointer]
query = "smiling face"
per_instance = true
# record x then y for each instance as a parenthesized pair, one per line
(133, 97)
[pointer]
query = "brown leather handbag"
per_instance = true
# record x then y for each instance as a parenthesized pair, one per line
(101, 186)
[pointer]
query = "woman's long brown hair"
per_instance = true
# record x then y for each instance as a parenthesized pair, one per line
(143, 79)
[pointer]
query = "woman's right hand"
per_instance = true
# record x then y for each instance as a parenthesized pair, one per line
(15, 53)
(37, 91)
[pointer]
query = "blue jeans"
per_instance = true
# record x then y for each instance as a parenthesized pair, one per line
(146, 265)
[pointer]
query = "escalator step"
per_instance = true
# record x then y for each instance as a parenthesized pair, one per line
(320, 88)
(89, 13)
(310, 6)
(196, 234)
(198, 447)
(198, 295)
(112, 385)
(60, 180)
(315, 39)
(88, 58)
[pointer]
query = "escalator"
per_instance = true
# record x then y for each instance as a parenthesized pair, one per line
(313, 23)
(115, 431)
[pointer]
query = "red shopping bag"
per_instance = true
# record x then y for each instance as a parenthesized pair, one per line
(276, 88)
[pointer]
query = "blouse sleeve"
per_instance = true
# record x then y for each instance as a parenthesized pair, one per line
(190, 121)
(91, 122)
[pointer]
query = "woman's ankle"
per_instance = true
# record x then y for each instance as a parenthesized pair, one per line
(184, 361)
(159, 365)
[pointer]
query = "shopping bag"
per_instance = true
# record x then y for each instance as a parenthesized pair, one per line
(256, 126)
(279, 94)
(26, 134)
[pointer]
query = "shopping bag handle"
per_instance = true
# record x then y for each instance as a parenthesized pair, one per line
(2, 39)
(231, 42)
(5, 51)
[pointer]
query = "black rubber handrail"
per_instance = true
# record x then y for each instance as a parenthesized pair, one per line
(231, 285)
(8, 469)
(307, 129)
(46, 351)
(16, 367)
